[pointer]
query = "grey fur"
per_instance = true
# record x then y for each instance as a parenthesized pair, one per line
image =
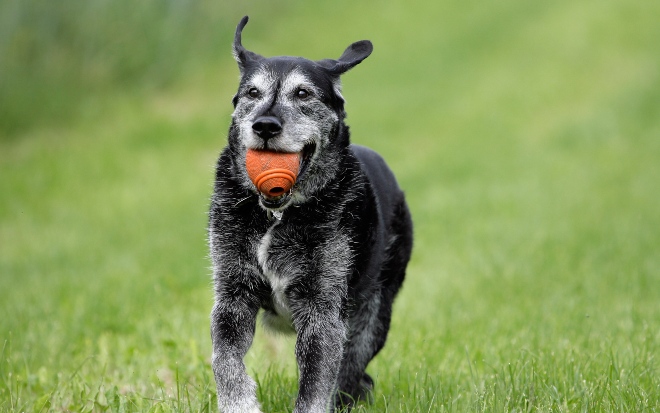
(324, 261)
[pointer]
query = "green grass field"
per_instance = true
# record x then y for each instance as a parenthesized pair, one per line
(526, 135)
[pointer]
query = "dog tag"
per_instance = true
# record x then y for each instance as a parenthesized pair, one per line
(278, 215)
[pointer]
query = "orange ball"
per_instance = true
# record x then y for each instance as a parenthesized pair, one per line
(273, 173)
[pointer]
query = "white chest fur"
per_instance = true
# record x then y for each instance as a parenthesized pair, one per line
(278, 284)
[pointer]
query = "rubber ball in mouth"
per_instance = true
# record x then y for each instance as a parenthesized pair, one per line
(273, 173)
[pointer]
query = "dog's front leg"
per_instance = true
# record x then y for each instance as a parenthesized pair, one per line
(319, 348)
(232, 330)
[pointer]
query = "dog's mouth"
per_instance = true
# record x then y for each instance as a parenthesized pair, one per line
(275, 174)
(306, 156)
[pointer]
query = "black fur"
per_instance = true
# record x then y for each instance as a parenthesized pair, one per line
(326, 259)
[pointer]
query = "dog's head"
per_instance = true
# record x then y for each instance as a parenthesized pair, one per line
(293, 105)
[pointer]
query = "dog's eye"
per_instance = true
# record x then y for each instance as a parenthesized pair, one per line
(302, 94)
(253, 92)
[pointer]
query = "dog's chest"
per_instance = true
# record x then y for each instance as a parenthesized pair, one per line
(267, 257)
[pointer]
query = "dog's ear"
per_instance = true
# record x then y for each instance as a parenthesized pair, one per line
(243, 56)
(352, 56)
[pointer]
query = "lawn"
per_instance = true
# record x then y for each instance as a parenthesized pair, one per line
(525, 134)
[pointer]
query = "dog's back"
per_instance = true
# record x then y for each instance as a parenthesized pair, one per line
(392, 239)
(380, 177)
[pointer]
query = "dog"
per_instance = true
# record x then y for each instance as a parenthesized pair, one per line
(323, 259)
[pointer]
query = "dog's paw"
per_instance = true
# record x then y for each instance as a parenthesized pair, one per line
(253, 409)
(240, 408)
(366, 388)
(345, 400)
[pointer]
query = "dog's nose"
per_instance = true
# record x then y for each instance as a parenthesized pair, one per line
(267, 126)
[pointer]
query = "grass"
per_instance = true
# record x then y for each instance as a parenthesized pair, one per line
(525, 135)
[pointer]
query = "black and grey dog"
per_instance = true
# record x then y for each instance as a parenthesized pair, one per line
(324, 259)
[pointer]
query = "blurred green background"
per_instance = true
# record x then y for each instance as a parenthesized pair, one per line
(525, 134)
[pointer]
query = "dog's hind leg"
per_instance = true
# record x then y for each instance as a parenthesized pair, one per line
(366, 338)
(370, 323)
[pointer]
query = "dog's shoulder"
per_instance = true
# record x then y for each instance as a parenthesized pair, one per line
(372, 163)
(379, 176)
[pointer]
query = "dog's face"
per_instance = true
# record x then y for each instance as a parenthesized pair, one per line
(284, 105)
(293, 105)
